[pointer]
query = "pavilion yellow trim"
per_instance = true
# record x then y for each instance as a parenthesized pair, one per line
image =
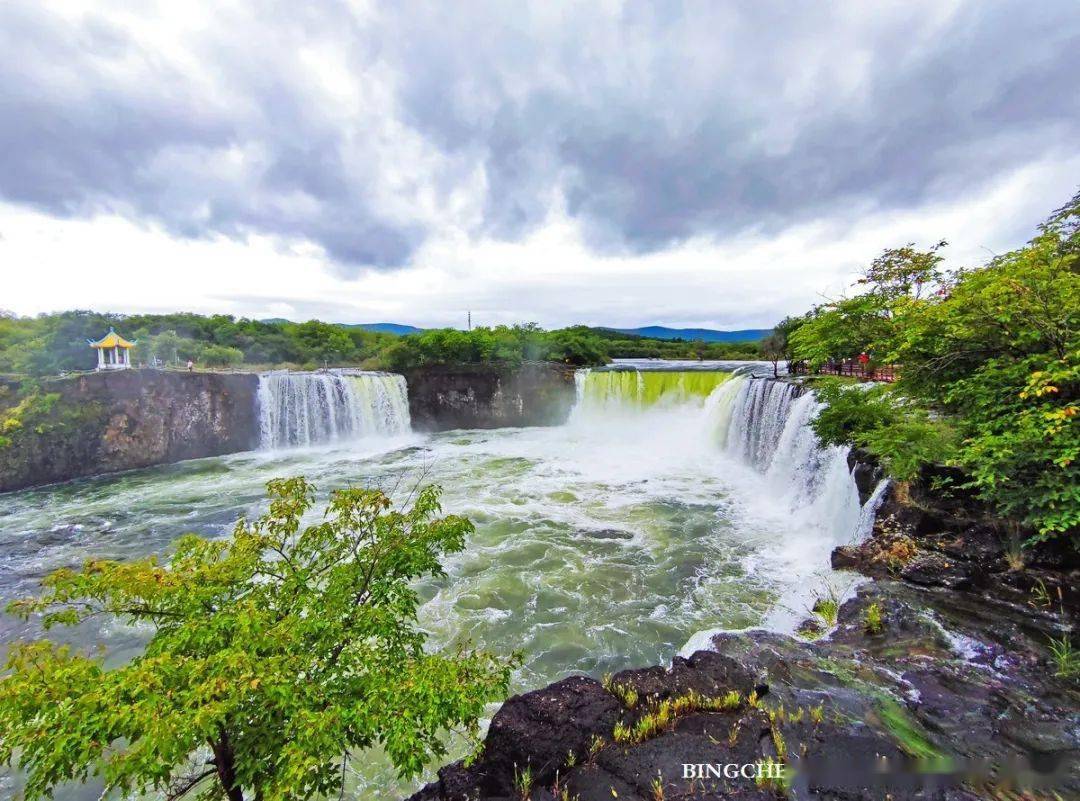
(112, 340)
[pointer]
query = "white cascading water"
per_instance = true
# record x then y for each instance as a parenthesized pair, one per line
(300, 409)
(762, 423)
(767, 426)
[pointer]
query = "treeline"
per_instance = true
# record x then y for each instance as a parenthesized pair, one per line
(55, 343)
(989, 381)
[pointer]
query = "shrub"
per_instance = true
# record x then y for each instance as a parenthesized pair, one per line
(283, 649)
(220, 355)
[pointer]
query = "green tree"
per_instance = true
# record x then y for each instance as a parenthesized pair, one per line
(221, 355)
(904, 271)
(842, 329)
(896, 281)
(1000, 352)
(275, 655)
(323, 342)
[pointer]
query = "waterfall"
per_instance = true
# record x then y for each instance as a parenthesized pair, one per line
(298, 409)
(769, 429)
(760, 422)
(607, 391)
(755, 432)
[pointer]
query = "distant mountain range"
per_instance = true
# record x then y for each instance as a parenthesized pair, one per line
(648, 332)
(387, 328)
(704, 334)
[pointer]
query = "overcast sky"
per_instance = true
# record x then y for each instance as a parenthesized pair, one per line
(711, 164)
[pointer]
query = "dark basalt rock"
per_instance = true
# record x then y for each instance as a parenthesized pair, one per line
(489, 396)
(866, 471)
(938, 570)
(540, 728)
(950, 676)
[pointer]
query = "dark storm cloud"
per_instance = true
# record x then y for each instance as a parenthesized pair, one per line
(654, 122)
(707, 135)
(92, 119)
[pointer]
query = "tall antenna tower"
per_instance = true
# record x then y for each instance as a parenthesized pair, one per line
(469, 320)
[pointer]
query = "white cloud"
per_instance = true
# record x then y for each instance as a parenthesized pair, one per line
(550, 276)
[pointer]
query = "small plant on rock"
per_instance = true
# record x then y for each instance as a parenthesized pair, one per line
(596, 745)
(523, 781)
(626, 694)
(873, 619)
(1066, 657)
(772, 774)
(827, 607)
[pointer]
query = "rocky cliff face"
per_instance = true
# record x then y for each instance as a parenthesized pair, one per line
(104, 422)
(477, 396)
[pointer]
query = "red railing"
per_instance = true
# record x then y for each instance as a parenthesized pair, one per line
(850, 368)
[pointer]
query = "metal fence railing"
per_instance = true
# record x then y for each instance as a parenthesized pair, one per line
(850, 368)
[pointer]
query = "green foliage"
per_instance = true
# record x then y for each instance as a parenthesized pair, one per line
(275, 654)
(850, 410)
(873, 619)
(909, 735)
(506, 346)
(323, 342)
(523, 781)
(990, 371)
(827, 606)
(30, 415)
(903, 436)
(1000, 353)
(1066, 658)
(904, 272)
(54, 343)
(221, 355)
(842, 329)
(578, 346)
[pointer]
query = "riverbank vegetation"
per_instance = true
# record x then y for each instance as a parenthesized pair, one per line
(50, 344)
(989, 380)
(275, 655)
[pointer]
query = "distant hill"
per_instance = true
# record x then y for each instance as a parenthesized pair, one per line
(646, 332)
(704, 334)
(382, 328)
(387, 328)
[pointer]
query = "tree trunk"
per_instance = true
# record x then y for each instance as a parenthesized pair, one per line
(226, 768)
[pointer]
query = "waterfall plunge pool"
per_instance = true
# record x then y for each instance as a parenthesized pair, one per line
(671, 505)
